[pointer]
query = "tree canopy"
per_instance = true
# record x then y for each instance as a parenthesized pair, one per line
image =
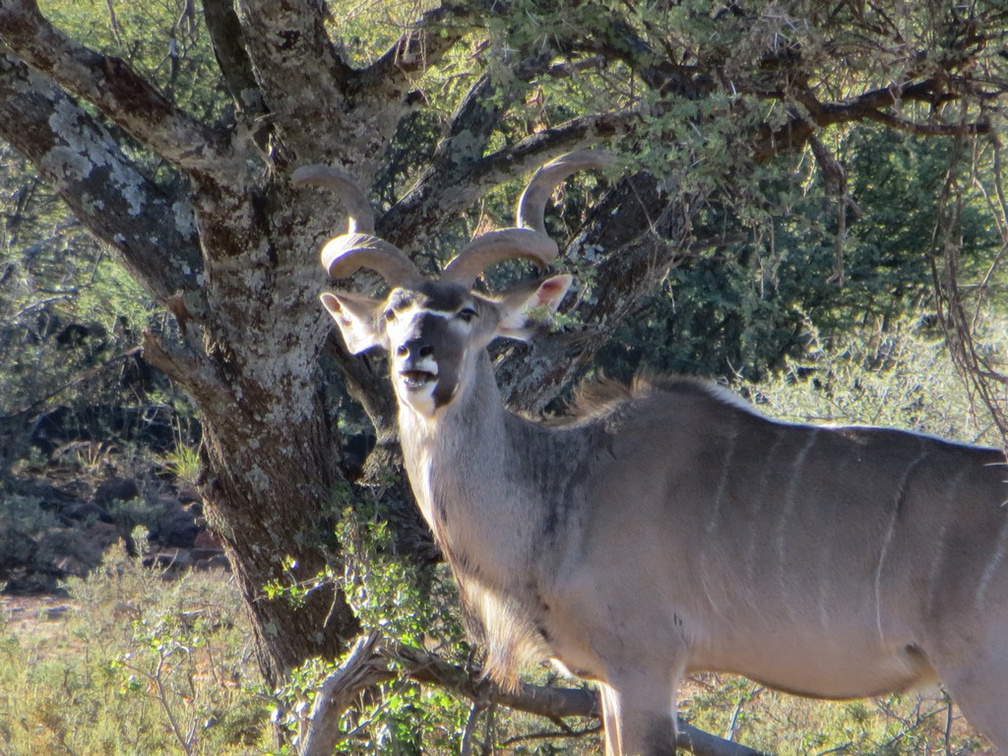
(790, 164)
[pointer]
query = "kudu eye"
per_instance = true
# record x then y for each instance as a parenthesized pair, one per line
(466, 314)
(389, 315)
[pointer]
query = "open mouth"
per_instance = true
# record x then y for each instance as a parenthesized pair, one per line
(417, 379)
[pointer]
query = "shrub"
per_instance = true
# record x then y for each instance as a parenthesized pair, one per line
(140, 664)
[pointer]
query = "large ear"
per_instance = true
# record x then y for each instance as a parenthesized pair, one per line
(355, 316)
(523, 311)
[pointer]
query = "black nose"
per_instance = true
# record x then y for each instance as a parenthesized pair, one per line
(415, 348)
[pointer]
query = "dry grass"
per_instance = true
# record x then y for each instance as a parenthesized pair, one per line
(130, 664)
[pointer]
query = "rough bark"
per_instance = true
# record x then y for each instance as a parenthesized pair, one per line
(228, 43)
(120, 93)
(82, 159)
(254, 515)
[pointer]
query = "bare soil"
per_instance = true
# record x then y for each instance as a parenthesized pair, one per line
(27, 614)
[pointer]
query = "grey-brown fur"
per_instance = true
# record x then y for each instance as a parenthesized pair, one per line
(669, 528)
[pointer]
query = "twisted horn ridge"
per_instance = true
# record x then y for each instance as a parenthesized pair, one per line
(532, 204)
(344, 255)
(498, 246)
(528, 240)
(361, 216)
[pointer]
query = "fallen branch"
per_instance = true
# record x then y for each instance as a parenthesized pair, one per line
(370, 662)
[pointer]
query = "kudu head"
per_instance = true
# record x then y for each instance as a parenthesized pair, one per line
(435, 329)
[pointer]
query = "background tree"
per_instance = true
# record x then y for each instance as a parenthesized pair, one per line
(174, 143)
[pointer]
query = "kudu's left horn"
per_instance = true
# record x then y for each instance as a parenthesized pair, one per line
(528, 238)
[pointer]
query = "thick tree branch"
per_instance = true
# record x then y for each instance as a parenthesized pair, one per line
(873, 106)
(928, 129)
(154, 231)
(361, 669)
(420, 47)
(471, 125)
(429, 206)
(462, 146)
(114, 88)
(552, 703)
(301, 76)
(448, 188)
(618, 40)
(235, 65)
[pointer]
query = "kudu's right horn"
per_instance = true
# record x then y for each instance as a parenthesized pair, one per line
(344, 255)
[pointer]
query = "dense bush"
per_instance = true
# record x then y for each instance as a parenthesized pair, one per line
(746, 308)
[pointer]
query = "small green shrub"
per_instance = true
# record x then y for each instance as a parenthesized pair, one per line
(414, 605)
(140, 665)
(184, 463)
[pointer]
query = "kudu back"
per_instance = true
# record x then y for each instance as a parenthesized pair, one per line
(671, 528)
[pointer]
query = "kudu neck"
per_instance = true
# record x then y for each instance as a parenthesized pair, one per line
(476, 415)
(468, 472)
(479, 471)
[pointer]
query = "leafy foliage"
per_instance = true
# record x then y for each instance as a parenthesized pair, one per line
(410, 604)
(746, 309)
(137, 665)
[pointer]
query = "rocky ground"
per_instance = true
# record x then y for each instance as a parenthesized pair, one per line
(57, 520)
(23, 614)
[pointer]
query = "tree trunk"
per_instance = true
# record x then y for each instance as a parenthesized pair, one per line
(265, 520)
(249, 357)
(270, 456)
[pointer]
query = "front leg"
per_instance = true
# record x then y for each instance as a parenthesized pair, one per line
(638, 712)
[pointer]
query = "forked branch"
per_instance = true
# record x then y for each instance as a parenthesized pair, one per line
(371, 662)
(114, 88)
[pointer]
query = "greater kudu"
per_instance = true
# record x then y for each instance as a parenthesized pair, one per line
(673, 528)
